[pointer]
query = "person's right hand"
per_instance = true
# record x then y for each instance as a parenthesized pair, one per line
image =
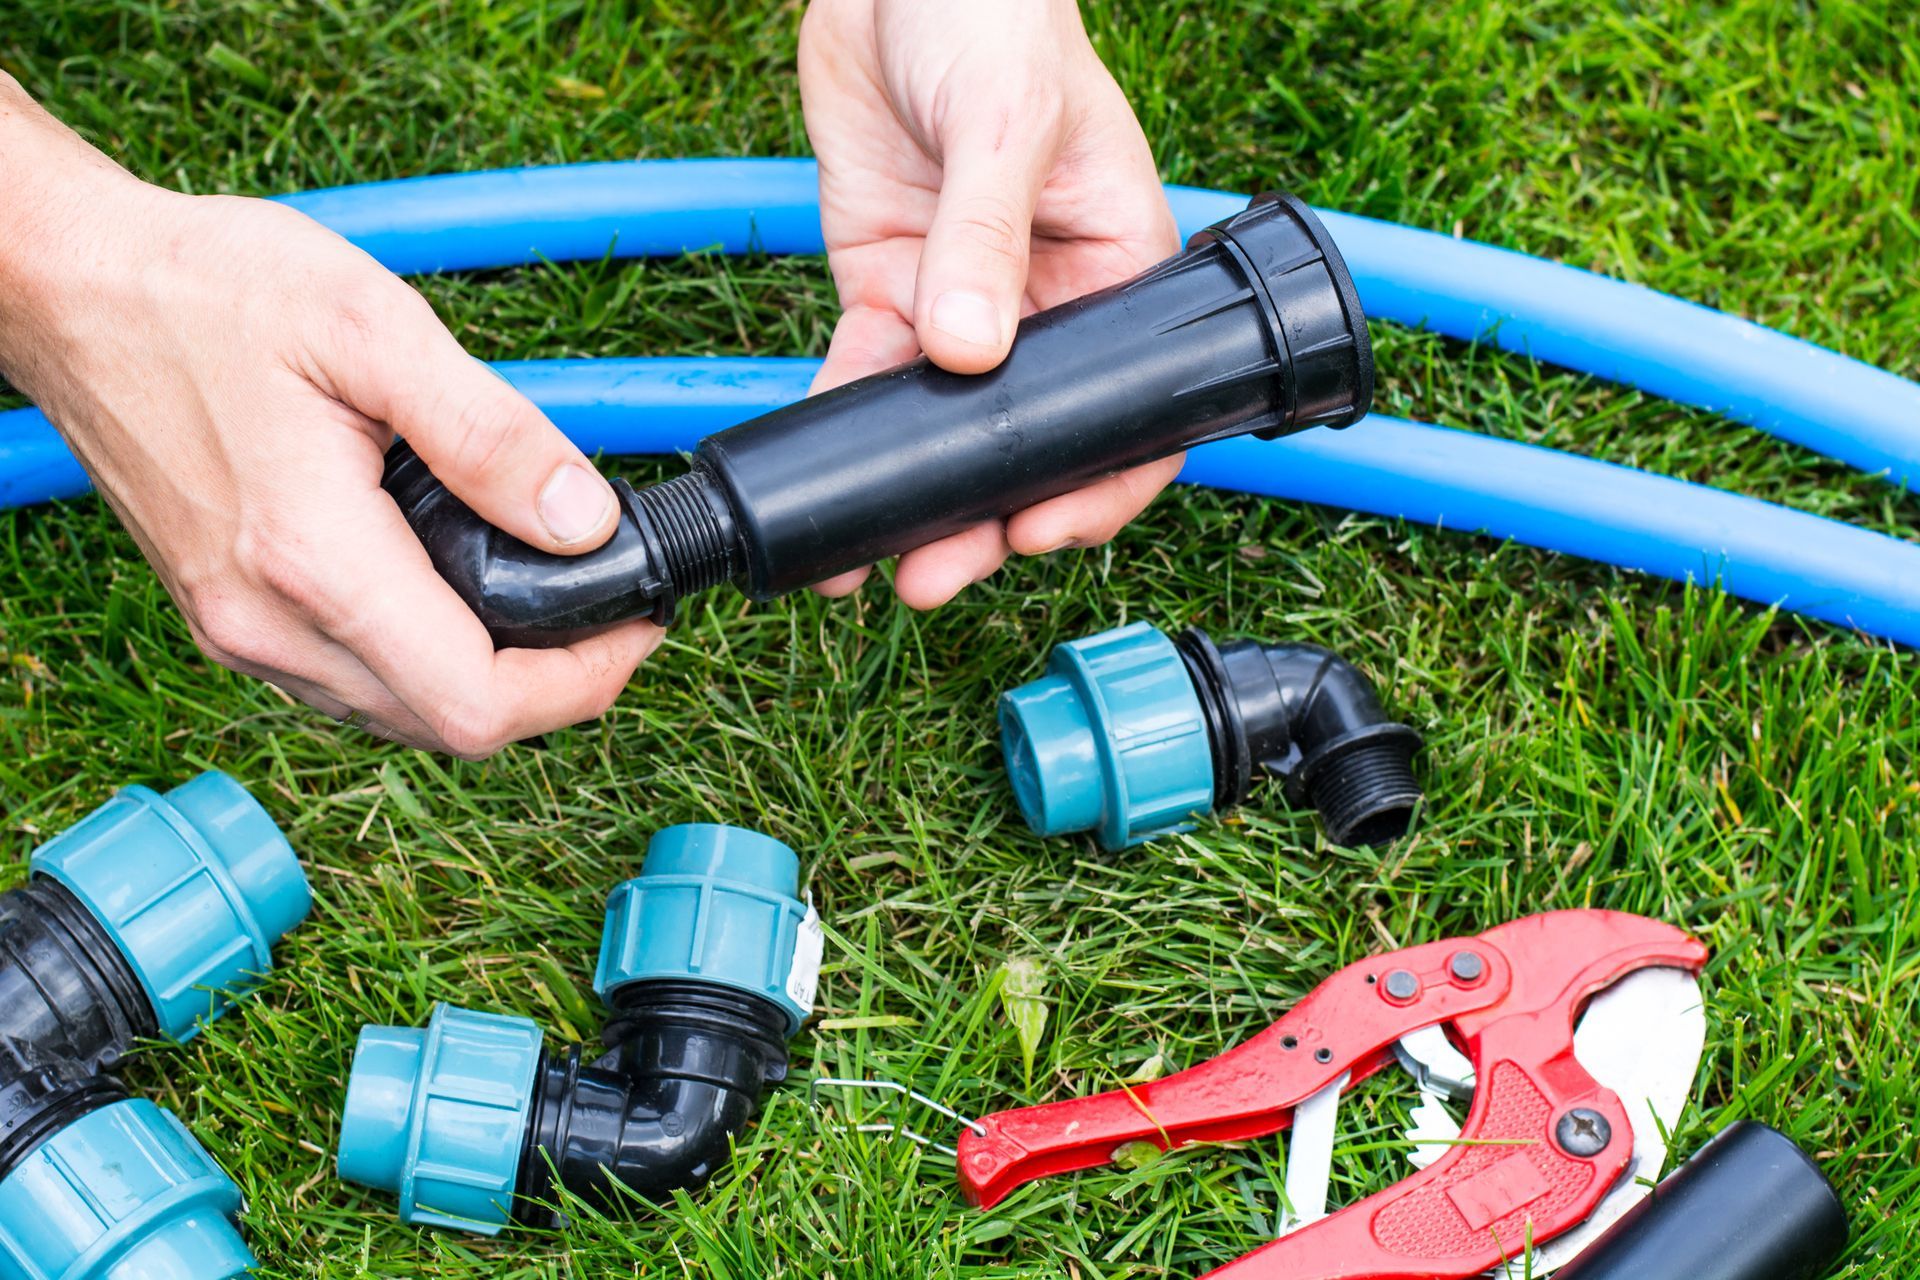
(230, 374)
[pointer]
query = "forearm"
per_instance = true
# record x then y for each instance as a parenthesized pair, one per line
(55, 183)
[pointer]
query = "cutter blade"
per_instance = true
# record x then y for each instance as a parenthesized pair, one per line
(1642, 1038)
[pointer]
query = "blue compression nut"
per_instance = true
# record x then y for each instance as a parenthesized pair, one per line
(439, 1117)
(719, 904)
(1112, 740)
(122, 1192)
(194, 887)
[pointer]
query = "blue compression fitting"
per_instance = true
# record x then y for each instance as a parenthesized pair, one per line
(1768, 554)
(1623, 332)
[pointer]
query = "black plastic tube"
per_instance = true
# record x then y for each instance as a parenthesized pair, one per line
(1750, 1205)
(1254, 329)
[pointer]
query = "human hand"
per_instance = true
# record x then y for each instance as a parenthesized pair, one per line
(230, 373)
(977, 164)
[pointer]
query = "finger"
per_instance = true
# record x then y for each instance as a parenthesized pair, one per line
(973, 268)
(844, 584)
(383, 602)
(309, 666)
(934, 574)
(1093, 515)
(396, 363)
(866, 339)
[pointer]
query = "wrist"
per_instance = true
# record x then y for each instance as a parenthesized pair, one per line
(59, 194)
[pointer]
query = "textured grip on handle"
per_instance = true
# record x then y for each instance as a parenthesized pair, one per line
(1476, 1207)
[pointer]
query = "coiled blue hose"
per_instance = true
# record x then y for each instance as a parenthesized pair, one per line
(1457, 479)
(1614, 330)
(1433, 475)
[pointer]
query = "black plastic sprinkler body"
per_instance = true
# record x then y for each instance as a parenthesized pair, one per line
(708, 964)
(137, 923)
(1132, 735)
(1750, 1205)
(1254, 328)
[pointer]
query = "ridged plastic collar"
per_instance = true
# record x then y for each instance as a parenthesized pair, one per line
(121, 1192)
(439, 1117)
(717, 904)
(194, 887)
(1113, 740)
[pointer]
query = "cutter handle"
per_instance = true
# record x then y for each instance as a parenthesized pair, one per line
(1347, 1024)
(1206, 1103)
(1477, 1206)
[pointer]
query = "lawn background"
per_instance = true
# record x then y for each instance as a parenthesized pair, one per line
(1594, 738)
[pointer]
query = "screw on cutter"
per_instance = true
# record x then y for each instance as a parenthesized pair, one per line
(887, 1126)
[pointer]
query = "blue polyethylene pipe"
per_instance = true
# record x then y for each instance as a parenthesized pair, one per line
(1457, 479)
(1622, 332)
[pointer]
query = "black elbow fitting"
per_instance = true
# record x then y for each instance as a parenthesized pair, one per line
(1254, 328)
(64, 985)
(95, 1185)
(139, 922)
(659, 1112)
(1132, 735)
(143, 919)
(708, 964)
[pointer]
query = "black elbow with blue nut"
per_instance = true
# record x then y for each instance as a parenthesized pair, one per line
(708, 964)
(1132, 735)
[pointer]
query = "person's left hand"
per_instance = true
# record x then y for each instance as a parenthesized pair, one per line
(977, 163)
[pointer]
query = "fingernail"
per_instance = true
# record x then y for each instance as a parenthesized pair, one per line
(968, 317)
(574, 504)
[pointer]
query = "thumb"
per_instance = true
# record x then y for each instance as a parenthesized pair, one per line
(481, 437)
(973, 267)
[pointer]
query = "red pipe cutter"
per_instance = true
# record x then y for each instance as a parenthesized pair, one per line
(1544, 1145)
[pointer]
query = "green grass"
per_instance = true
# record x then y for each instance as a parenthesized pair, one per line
(1594, 738)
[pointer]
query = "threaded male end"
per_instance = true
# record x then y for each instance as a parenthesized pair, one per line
(692, 537)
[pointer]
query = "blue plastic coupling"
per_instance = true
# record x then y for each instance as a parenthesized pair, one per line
(1112, 740)
(717, 904)
(124, 1192)
(194, 887)
(439, 1117)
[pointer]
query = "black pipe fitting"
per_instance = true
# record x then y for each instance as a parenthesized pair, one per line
(136, 922)
(1132, 735)
(688, 1062)
(1308, 717)
(1254, 328)
(140, 920)
(707, 964)
(65, 988)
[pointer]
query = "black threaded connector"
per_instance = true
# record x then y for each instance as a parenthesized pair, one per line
(691, 534)
(1363, 787)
